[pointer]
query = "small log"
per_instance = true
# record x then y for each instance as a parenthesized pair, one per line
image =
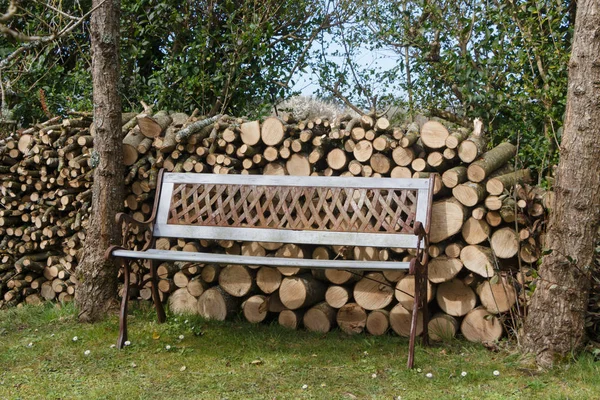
(301, 291)
(363, 150)
(442, 327)
(268, 279)
(373, 291)
(456, 138)
(130, 145)
(497, 297)
(443, 268)
(196, 286)
(491, 161)
(210, 273)
(237, 280)
(478, 259)
(405, 291)
(290, 319)
(401, 319)
(351, 318)
(255, 309)
(337, 296)
(410, 137)
(319, 318)
(454, 176)
(378, 322)
(505, 242)
(471, 148)
(216, 304)
(153, 126)
(455, 297)
(469, 193)
(497, 185)
(481, 326)
(182, 302)
(475, 231)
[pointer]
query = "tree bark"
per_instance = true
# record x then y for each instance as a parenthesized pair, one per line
(97, 276)
(555, 323)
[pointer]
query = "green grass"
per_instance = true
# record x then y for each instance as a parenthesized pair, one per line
(236, 360)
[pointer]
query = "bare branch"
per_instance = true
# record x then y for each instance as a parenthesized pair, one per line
(343, 98)
(12, 9)
(36, 41)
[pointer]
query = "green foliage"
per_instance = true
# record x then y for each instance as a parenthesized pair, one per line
(214, 55)
(504, 62)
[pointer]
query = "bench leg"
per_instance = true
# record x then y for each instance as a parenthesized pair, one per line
(160, 311)
(420, 303)
(124, 302)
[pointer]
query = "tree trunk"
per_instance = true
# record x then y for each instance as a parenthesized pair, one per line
(98, 277)
(555, 324)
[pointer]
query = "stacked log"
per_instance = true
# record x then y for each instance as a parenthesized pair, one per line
(487, 222)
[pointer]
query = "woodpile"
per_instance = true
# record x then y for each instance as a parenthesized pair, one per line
(488, 224)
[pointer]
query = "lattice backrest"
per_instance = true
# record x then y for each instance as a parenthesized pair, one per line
(324, 210)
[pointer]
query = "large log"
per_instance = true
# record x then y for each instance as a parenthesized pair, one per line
(447, 218)
(272, 131)
(434, 135)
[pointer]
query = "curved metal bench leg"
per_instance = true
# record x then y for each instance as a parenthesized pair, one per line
(160, 311)
(124, 303)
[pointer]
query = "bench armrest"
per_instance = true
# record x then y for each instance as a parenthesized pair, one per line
(131, 228)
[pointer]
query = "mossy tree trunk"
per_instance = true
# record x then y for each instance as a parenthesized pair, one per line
(98, 277)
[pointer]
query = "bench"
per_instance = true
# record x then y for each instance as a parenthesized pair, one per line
(317, 210)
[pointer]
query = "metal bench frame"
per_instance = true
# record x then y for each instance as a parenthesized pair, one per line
(351, 211)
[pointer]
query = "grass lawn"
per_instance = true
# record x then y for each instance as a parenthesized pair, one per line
(39, 359)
